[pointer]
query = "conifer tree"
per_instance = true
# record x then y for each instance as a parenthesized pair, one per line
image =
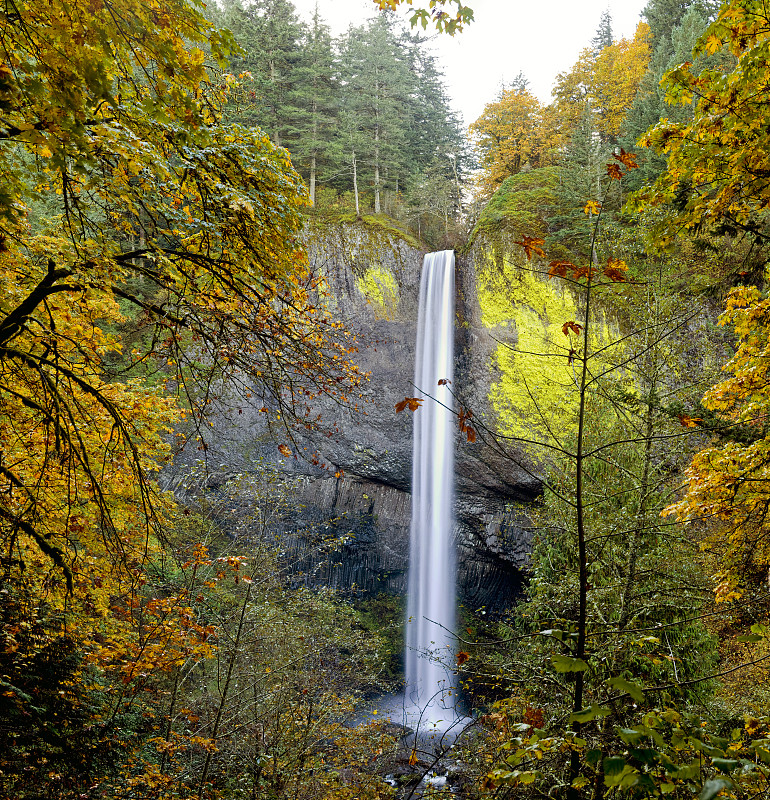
(603, 36)
(315, 100)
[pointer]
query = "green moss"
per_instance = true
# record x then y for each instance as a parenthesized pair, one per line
(380, 288)
(518, 206)
(372, 223)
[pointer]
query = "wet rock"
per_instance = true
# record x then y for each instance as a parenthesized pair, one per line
(367, 511)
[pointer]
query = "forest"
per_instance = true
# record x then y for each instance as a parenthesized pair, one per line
(170, 173)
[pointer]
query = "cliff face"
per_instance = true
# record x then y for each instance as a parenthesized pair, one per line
(374, 280)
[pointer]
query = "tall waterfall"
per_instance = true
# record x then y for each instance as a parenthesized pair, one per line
(431, 599)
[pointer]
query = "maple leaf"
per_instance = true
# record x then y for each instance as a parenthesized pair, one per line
(592, 207)
(689, 422)
(628, 160)
(412, 403)
(284, 450)
(614, 171)
(615, 269)
(571, 326)
(532, 245)
(462, 657)
(464, 415)
(559, 269)
(413, 758)
(444, 382)
(583, 272)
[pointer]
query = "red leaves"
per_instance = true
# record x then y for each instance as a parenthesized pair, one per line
(462, 657)
(464, 416)
(571, 326)
(532, 245)
(413, 403)
(444, 382)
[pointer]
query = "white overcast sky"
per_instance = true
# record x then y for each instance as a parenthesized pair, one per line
(537, 37)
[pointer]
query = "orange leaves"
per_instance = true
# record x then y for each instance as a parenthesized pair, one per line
(628, 160)
(571, 327)
(615, 270)
(532, 245)
(284, 450)
(464, 416)
(559, 269)
(412, 403)
(462, 657)
(689, 422)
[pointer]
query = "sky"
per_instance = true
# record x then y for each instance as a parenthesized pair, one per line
(537, 37)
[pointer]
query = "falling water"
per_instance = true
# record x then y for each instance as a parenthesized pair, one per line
(431, 599)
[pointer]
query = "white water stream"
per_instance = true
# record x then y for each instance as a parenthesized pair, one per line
(430, 646)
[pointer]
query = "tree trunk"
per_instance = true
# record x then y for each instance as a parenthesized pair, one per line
(377, 207)
(355, 184)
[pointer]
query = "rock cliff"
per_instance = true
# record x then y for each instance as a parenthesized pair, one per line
(374, 279)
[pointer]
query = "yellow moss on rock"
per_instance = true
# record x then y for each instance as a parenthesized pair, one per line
(380, 288)
(536, 387)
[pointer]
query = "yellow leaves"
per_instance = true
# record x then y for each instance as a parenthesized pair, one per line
(592, 207)
(615, 270)
(713, 44)
(511, 133)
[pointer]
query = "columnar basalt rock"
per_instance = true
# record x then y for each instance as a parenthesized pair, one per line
(374, 281)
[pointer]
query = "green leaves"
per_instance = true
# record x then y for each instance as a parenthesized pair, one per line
(590, 714)
(566, 664)
(630, 688)
(713, 787)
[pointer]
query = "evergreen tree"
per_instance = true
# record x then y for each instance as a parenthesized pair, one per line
(603, 36)
(650, 105)
(315, 102)
(376, 83)
(270, 34)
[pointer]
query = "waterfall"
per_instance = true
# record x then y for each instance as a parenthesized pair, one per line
(431, 590)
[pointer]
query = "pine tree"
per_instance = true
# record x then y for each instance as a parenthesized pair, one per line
(269, 33)
(315, 101)
(376, 82)
(650, 105)
(603, 36)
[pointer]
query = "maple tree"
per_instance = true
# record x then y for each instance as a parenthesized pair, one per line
(126, 201)
(510, 134)
(716, 184)
(445, 21)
